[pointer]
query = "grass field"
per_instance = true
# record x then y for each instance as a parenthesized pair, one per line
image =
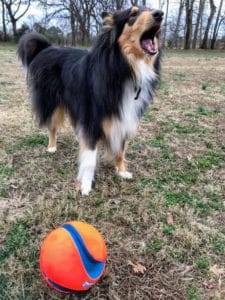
(170, 218)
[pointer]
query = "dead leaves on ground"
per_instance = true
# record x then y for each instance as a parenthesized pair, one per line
(169, 218)
(137, 267)
(217, 271)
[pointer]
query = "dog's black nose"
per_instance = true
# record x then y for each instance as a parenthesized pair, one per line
(158, 15)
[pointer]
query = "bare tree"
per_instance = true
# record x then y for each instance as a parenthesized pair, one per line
(204, 44)
(199, 17)
(119, 4)
(215, 31)
(16, 10)
(176, 30)
(72, 24)
(165, 23)
(134, 2)
(189, 14)
(4, 21)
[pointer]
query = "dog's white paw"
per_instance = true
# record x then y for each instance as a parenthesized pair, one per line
(51, 149)
(85, 190)
(125, 174)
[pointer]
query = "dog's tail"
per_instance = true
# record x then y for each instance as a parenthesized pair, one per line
(30, 45)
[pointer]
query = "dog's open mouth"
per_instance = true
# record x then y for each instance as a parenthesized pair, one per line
(148, 41)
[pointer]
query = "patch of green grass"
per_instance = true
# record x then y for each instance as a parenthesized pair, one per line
(157, 142)
(182, 128)
(202, 207)
(144, 182)
(222, 89)
(218, 245)
(205, 111)
(30, 141)
(208, 160)
(202, 263)
(164, 86)
(3, 191)
(193, 293)
(184, 176)
(178, 254)
(215, 201)
(179, 76)
(189, 176)
(30, 260)
(5, 170)
(209, 145)
(174, 198)
(167, 154)
(168, 229)
(147, 117)
(3, 286)
(155, 245)
(16, 238)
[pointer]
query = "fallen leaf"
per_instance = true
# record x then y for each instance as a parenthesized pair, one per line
(186, 270)
(169, 218)
(137, 268)
(216, 270)
(209, 285)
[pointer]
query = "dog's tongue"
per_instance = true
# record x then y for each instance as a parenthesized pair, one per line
(149, 46)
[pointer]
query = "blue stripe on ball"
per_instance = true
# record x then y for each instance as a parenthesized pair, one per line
(61, 288)
(93, 267)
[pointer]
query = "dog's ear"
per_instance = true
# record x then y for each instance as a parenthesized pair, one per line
(107, 19)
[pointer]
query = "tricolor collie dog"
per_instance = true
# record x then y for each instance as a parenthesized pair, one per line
(104, 90)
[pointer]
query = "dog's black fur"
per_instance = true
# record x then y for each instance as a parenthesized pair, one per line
(105, 90)
(89, 84)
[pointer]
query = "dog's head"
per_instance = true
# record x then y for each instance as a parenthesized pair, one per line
(136, 30)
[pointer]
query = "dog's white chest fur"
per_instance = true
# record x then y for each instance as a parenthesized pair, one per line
(131, 108)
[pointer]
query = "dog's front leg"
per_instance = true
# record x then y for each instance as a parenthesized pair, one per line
(120, 163)
(87, 164)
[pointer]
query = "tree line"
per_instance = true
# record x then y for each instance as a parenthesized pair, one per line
(187, 23)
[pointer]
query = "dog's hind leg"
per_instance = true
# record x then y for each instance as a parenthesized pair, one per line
(120, 163)
(87, 164)
(56, 122)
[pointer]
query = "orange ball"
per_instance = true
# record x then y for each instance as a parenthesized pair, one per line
(73, 257)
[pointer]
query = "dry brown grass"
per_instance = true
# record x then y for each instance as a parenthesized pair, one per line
(178, 163)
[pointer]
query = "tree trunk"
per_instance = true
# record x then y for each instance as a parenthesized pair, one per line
(189, 13)
(175, 35)
(215, 31)
(204, 44)
(72, 25)
(165, 23)
(119, 4)
(199, 16)
(13, 8)
(3, 22)
(13, 21)
(134, 2)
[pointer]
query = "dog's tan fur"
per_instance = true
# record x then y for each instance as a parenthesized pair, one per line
(56, 122)
(129, 40)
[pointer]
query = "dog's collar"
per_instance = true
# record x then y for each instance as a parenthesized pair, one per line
(137, 90)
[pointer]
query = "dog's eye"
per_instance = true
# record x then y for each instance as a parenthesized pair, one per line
(132, 18)
(134, 14)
